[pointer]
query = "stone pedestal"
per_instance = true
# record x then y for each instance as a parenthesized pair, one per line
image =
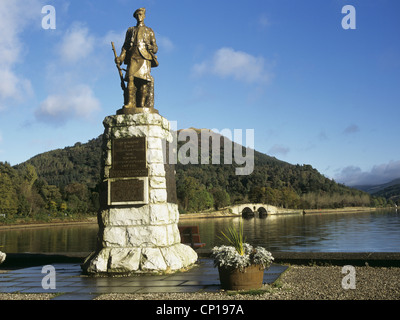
(138, 221)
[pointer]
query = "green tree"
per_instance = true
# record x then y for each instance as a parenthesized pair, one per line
(221, 198)
(271, 196)
(30, 201)
(192, 195)
(201, 200)
(289, 198)
(8, 196)
(257, 194)
(30, 175)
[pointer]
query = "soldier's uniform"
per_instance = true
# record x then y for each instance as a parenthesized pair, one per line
(139, 60)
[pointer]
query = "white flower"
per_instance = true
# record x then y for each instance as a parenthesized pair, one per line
(262, 257)
(227, 256)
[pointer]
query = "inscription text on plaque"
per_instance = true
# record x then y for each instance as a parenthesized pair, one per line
(129, 158)
(128, 182)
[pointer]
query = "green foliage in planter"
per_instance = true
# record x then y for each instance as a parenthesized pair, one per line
(235, 238)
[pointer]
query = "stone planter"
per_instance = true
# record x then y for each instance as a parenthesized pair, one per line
(246, 279)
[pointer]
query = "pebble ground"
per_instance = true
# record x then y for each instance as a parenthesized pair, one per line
(303, 283)
(297, 283)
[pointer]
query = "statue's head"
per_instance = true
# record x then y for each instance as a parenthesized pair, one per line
(140, 14)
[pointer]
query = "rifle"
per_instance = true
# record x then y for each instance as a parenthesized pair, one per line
(119, 69)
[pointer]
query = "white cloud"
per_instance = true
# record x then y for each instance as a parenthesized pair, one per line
(379, 174)
(16, 16)
(69, 97)
(117, 37)
(77, 44)
(226, 62)
(77, 102)
(8, 83)
(165, 44)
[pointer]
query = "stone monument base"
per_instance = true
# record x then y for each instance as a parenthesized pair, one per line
(138, 220)
(140, 240)
(140, 260)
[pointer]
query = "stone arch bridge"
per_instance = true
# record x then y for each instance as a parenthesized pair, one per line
(248, 210)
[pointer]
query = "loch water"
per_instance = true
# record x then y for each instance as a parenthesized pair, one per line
(372, 231)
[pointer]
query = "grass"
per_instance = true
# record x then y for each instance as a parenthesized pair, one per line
(235, 238)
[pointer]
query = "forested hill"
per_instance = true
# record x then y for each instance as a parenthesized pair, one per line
(61, 167)
(204, 186)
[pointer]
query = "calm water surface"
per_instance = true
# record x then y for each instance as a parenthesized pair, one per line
(342, 232)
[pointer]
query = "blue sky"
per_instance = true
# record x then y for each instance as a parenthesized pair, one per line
(313, 92)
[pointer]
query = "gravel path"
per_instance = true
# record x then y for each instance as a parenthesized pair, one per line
(21, 296)
(303, 283)
(297, 283)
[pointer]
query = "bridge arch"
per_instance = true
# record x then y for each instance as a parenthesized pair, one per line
(247, 212)
(262, 212)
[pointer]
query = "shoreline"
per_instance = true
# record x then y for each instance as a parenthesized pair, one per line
(225, 214)
(49, 224)
(191, 216)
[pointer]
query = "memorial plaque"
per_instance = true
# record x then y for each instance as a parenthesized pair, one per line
(128, 191)
(129, 158)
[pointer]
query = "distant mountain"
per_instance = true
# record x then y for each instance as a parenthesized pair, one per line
(274, 181)
(372, 189)
(389, 191)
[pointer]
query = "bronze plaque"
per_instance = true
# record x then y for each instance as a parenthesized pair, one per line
(127, 191)
(129, 158)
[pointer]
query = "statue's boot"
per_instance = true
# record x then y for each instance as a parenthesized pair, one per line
(143, 101)
(131, 97)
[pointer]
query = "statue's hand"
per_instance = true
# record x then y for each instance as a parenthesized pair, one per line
(118, 61)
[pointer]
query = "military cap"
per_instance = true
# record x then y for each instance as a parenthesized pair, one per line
(138, 10)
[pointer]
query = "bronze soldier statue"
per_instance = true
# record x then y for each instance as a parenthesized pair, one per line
(138, 53)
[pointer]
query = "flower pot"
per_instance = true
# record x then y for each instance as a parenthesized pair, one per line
(246, 279)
